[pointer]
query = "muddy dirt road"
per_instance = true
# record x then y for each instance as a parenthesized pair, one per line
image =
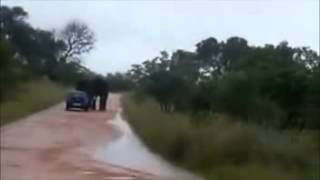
(59, 145)
(54, 144)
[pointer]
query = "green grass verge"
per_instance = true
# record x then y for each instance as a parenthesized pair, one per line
(31, 97)
(223, 149)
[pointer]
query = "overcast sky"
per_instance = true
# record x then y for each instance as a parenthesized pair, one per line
(130, 32)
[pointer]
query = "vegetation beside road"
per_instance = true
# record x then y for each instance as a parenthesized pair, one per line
(37, 64)
(31, 97)
(222, 148)
(231, 110)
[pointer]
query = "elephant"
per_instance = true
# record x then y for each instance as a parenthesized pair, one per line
(95, 87)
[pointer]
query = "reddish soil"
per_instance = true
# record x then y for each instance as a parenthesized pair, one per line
(58, 145)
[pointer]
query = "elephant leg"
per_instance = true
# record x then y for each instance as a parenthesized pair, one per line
(89, 102)
(93, 103)
(102, 103)
(106, 102)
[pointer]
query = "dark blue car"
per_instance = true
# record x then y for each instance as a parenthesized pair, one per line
(77, 100)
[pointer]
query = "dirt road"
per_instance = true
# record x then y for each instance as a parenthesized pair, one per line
(58, 145)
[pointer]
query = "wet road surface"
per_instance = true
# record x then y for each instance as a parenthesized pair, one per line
(55, 144)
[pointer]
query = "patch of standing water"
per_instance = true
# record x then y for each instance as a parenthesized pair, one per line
(128, 151)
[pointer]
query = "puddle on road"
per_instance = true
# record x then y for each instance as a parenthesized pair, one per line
(128, 151)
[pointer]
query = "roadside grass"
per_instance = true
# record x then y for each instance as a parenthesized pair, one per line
(260, 172)
(221, 148)
(31, 97)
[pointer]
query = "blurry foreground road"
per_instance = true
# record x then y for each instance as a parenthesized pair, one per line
(58, 145)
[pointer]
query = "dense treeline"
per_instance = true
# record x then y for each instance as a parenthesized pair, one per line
(276, 86)
(28, 53)
(119, 81)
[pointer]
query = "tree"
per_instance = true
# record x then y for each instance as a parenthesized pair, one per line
(308, 57)
(35, 52)
(136, 73)
(233, 50)
(271, 85)
(209, 56)
(10, 70)
(185, 65)
(38, 48)
(78, 38)
(10, 17)
(119, 82)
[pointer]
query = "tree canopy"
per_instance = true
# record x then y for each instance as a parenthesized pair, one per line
(273, 85)
(28, 52)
